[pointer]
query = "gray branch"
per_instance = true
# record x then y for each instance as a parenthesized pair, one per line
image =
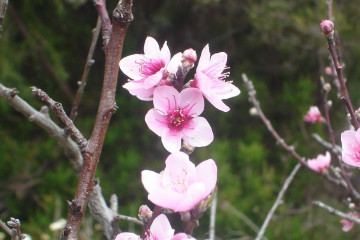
(336, 212)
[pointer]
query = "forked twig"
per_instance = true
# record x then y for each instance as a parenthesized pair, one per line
(278, 201)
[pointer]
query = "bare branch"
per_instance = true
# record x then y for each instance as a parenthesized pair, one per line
(41, 118)
(278, 201)
(336, 212)
(88, 64)
(122, 16)
(5, 228)
(100, 6)
(335, 150)
(58, 110)
(129, 219)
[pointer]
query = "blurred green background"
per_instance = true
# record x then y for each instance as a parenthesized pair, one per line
(276, 42)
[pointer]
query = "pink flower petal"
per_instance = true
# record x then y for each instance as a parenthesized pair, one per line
(151, 48)
(171, 140)
(127, 236)
(204, 58)
(152, 80)
(156, 121)
(165, 53)
(161, 228)
(192, 99)
(174, 63)
(207, 173)
(130, 66)
(165, 98)
(137, 89)
(178, 163)
(198, 133)
(218, 63)
(226, 90)
(151, 180)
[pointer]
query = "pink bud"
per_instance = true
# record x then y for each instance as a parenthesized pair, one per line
(327, 27)
(328, 71)
(190, 56)
(145, 212)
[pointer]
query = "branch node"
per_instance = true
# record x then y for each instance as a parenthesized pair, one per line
(123, 12)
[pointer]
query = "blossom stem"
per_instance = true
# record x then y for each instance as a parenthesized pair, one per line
(339, 70)
(336, 212)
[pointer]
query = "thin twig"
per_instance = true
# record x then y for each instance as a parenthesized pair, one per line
(336, 212)
(58, 110)
(213, 217)
(344, 174)
(278, 201)
(252, 98)
(122, 16)
(130, 219)
(5, 227)
(88, 64)
(227, 206)
(100, 6)
(335, 150)
(3, 7)
(339, 70)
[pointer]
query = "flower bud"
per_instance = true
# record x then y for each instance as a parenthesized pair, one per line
(327, 87)
(253, 111)
(145, 213)
(327, 27)
(328, 71)
(190, 56)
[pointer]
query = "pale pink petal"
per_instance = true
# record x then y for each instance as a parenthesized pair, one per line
(127, 236)
(194, 194)
(152, 80)
(165, 53)
(204, 58)
(165, 98)
(165, 197)
(207, 173)
(151, 48)
(226, 90)
(137, 89)
(218, 63)
(161, 228)
(198, 133)
(130, 66)
(350, 159)
(171, 140)
(192, 101)
(174, 63)
(182, 236)
(348, 141)
(216, 102)
(179, 165)
(151, 180)
(156, 121)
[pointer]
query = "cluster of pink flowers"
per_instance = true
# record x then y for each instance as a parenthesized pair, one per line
(158, 77)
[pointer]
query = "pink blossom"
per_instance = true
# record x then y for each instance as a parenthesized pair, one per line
(313, 115)
(160, 230)
(209, 79)
(181, 185)
(175, 117)
(350, 141)
(320, 163)
(148, 70)
(327, 27)
(148, 67)
(347, 224)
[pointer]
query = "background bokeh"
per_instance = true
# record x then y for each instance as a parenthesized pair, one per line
(277, 43)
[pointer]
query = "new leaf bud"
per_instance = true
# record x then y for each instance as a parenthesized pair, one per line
(190, 56)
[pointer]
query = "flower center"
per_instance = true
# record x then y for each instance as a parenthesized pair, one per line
(178, 119)
(177, 181)
(150, 66)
